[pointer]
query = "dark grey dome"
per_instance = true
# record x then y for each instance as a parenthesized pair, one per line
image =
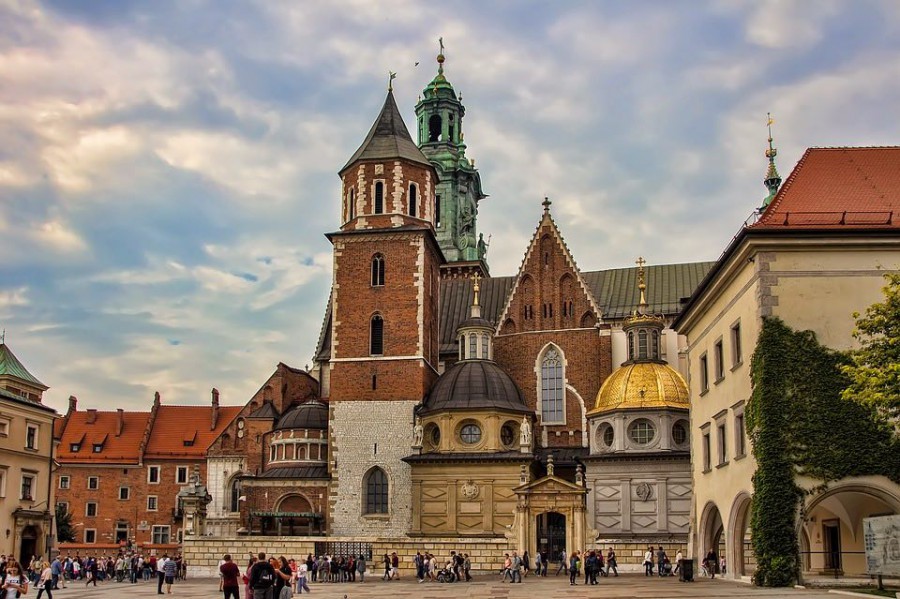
(475, 321)
(310, 414)
(472, 385)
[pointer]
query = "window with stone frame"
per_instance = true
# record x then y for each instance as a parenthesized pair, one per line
(376, 492)
(413, 199)
(379, 198)
(376, 336)
(28, 483)
(552, 388)
(152, 503)
(235, 499)
(161, 535)
(378, 270)
(473, 346)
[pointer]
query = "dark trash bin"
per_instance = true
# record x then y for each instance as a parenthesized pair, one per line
(686, 571)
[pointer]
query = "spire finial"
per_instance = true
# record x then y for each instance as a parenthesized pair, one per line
(476, 287)
(546, 204)
(772, 180)
(440, 56)
(391, 76)
(642, 285)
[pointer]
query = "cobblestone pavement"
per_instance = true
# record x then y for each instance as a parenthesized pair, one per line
(486, 587)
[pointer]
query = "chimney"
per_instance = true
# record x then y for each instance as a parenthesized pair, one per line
(156, 400)
(120, 421)
(73, 404)
(91, 415)
(215, 409)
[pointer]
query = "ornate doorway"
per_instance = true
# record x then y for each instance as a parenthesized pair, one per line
(551, 534)
(28, 546)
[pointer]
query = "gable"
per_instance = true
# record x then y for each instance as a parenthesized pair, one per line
(549, 292)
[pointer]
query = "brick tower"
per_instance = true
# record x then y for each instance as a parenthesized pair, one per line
(384, 325)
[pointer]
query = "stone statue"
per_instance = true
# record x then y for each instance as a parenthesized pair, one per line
(466, 220)
(525, 436)
(482, 247)
(418, 433)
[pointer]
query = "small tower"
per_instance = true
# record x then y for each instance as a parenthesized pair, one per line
(772, 180)
(439, 115)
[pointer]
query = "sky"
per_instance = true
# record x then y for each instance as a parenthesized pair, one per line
(168, 169)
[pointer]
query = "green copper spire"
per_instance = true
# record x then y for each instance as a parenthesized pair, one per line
(439, 115)
(772, 180)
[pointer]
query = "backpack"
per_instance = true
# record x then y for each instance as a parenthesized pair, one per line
(265, 580)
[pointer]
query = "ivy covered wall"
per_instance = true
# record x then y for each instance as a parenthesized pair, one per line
(799, 424)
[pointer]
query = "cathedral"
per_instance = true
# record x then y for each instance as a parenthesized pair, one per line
(544, 408)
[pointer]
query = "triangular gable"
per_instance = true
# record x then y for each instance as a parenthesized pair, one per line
(550, 484)
(563, 264)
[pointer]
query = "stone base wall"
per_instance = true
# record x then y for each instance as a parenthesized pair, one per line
(630, 555)
(204, 553)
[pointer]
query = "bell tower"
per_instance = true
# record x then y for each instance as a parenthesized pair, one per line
(384, 353)
(439, 118)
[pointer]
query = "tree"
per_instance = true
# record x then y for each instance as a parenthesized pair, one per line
(64, 531)
(875, 368)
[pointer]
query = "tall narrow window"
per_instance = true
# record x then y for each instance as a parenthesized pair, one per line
(462, 347)
(437, 211)
(723, 451)
(352, 202)
(720, 361)
(552, 388)
(235, 495)
(376, 487)
(654, 345)
(379, 197)
(706, 452)
(740, 436)
(704, 373)
(450, 128)
(642, 344)
(413, 199)
(736, 356)
(631, 345)
(377, 270)
(434, 128)
(484, 347)
(376, 337)
(473, 346)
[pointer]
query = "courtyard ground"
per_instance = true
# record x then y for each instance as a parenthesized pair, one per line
(488, 587)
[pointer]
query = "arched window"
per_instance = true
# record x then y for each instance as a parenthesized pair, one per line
(413, 198)
(376, 336)
(631, 345)
(352, 203)
(654, 345)
(377, 270)
(473, 346)
(376, 492)
(450, 128)
(552, 388)
(235, 503)
(642, 344)
(462, 347)
(434, 128)
(379, 197)
(484, 347)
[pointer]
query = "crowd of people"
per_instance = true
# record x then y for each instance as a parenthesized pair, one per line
(48, 576)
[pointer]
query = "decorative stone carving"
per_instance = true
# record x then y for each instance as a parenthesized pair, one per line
(525, 433)
(469, 490)
(644, 491)
(418, 433)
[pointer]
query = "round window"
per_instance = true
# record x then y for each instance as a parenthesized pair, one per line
(679, 432)
(470, 434)
(434, 435)
(507, 434)
(642, 432)
(607, 434)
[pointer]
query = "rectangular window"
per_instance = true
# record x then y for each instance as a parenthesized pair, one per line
(740, 435)
(93, 483)
(153, 475)
(704, 374)
(90, 509)
(151, 503)
(75, 447)
(62, 506)
(723, 453)
(2, 482)
(64, 482)
(181, 475)
(98, 447)
(31, 437)
(124, 493)
(160, 535)
(736, 356)
(707, 465)
(437, 211)
(90, 535)
(4, 428)
(27, 487)
(720, 361)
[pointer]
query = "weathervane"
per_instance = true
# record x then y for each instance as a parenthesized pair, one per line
(391, 76)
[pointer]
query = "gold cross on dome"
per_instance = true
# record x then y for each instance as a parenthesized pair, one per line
(475, 286)
(640, 262)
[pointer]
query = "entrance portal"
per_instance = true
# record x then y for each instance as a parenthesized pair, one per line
(551, 534)
(28, 547)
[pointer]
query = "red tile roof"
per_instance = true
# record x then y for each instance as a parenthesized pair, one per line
(839, 188)
(176, 425)
(115, 450)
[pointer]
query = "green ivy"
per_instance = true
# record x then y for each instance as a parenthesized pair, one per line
(799, 424)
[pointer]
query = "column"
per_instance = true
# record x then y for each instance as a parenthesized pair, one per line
(625, 504)
(488, 506)
(662, 504)
(451, 505)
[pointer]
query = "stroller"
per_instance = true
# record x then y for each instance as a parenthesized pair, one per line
(446, 575)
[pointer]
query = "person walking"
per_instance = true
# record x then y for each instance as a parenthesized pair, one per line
(507, 568)
(563, 563)
(712, 563)
(660, 561)
(611, 562)
(538, 564)
(361, 567)
(160, 573)
(526, 563)
(467, 565)
(45, 582)
(386, 560)
(678, 557)
(302, 575)
(516, 568)
(55, 572)
(648, 562)
(574, 562)
(229, 581)
(170, 570)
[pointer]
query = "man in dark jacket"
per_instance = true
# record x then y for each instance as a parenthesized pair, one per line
(262, 578)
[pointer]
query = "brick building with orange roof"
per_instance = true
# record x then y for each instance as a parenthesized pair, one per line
(120, 472)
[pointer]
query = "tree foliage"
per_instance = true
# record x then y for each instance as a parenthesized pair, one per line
(874, 370)
(799, 424)
(64, 531)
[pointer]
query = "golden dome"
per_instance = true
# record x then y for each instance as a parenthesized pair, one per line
(642, 385)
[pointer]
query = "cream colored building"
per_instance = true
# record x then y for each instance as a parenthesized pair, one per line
(817, 254)
(26, 448)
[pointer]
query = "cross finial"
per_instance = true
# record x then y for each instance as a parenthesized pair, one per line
(642, 286)
(441, 43)
(391, 76)
(476, 287)
(546, 204)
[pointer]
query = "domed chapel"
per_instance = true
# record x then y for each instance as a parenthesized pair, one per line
(544, 408)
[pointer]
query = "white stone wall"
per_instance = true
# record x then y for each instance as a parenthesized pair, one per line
(219, 472)
(367, 434)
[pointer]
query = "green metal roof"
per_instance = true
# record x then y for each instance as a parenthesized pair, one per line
(12, 367)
